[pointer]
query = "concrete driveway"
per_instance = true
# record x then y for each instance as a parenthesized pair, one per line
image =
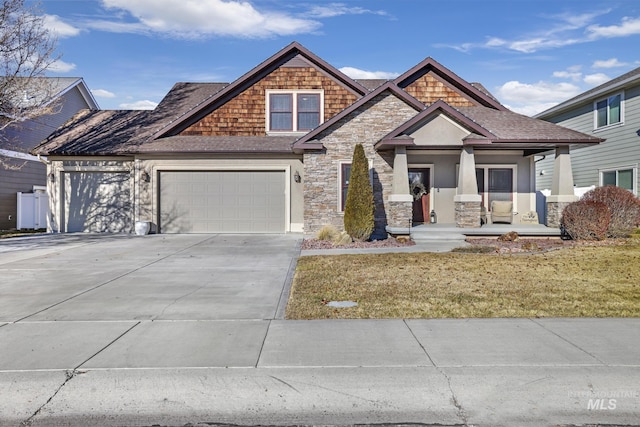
(155, 277)
(140, 301)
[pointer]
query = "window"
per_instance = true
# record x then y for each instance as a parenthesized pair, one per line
(623, 178)
(293, 111)
(495, 183)
(345, 175)
(608, 111)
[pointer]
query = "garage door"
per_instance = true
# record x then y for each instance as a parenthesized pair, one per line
(222, 202)
(97, 202)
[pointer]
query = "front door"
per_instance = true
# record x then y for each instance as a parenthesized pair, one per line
(419, 185)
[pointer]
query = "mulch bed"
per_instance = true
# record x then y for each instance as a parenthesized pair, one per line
(476, 245)
(308, 244)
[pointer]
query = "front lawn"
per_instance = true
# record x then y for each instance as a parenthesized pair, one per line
(583, 281)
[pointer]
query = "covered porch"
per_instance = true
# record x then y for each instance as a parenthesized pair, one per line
(451, 231)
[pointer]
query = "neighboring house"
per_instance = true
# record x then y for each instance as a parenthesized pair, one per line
(22, 172)
(271, 153)
(610, 111)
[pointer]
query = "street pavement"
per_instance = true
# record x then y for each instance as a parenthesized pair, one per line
(174, 330)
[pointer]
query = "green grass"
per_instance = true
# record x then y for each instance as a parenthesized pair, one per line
(584, 281)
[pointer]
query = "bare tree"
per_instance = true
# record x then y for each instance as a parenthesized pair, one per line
(27, 51)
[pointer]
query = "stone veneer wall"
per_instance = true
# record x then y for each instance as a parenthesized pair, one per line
(399, 214)
(554, 213)
(367, 125)
(468, 214)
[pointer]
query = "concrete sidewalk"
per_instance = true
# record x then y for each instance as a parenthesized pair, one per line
(187, 330)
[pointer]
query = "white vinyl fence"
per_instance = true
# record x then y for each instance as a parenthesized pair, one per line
(33, 209)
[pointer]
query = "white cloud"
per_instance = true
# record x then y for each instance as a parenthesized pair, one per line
(575, 76)
(356, 73)
(532, 109)
(596, 79)
(61, 29)
(609, 63)
(569, 29)
(537, 93)
(139, 105)
(102, 93)
(337, 9)
(573, 72)
(61, 67)
(627, 27)
(198, 19)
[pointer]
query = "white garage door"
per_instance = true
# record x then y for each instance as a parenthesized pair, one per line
(97, 202)
(222, 202)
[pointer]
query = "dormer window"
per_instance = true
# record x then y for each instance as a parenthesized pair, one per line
(608, 111)
(293, 111)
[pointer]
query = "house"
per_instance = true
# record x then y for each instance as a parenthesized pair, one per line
(271, 152)
(22, 172)
(610, 111)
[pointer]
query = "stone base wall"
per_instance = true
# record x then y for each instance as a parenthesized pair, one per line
(554, 213)
(468, 214)
(322, 192)
(399, 214)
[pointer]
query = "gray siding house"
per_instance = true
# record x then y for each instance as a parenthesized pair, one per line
(610, 111)
(22, 172)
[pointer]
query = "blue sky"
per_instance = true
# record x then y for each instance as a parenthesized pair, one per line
(530, 54)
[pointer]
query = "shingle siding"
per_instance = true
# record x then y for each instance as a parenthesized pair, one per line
(245, 114)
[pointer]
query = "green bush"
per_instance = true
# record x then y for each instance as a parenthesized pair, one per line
(358, 210)
(586, 220)
(623, 206)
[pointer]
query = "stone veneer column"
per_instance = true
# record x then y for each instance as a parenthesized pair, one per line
(467, 201)
(400, 202)
(561, 187)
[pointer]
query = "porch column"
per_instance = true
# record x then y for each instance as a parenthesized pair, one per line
(561, 187)
(400, 202)
(467, 201)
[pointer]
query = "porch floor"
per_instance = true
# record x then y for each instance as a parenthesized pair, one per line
(486, 230)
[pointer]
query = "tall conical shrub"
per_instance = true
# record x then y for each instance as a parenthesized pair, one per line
(358, 210)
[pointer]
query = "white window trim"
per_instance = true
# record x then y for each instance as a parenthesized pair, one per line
(514, 174)
(634, 179)
(609, 125)
(339, 181)
(294, 119)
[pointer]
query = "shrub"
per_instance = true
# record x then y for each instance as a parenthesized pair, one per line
(623, 206)
(342, 239)
(358, 210)
(327, 232)
(586, 220)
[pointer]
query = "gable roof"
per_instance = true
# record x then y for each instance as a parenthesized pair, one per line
(626, 79)
(304, 142)
(431, 65)
(489, 126)
(286, 54)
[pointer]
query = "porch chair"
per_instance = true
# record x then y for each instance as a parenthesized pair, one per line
(502, 211)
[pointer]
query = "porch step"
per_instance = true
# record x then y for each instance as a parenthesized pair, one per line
(418, 235)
